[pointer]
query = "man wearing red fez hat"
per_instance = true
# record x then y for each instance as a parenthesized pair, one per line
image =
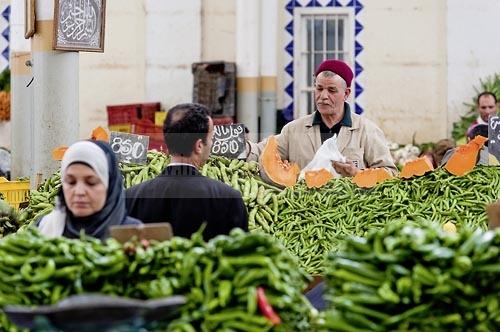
(358, 139)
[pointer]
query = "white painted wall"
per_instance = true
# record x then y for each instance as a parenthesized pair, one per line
(173, 43)
(116, 76)
(405, 77)
(473, 50)
(218, 24)
(421, 58)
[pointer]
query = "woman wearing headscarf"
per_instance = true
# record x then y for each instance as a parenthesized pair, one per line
(92, 197)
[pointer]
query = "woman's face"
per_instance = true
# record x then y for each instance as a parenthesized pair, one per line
(83, 190)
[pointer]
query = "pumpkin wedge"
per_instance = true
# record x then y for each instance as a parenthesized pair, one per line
(464, 158)
(99, 134)
(58, 153)
(279, 171)
(369, 177)
(419, 166)
(317, 179)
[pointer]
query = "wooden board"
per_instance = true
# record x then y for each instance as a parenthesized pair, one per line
(151, 231)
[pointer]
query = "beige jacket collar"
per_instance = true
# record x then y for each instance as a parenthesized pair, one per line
(314, 135)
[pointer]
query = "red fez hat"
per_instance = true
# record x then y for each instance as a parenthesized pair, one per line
(338, 67)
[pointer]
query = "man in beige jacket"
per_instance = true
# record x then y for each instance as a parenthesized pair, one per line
(358, 139)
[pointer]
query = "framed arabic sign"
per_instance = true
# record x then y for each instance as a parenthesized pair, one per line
(79, 25)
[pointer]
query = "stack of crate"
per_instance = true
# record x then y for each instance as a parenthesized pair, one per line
(214, 85)
(155, 133)
(121, 117)
(137, 119)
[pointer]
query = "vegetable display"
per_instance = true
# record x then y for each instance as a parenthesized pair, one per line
(220, 279)
(310, 221)
(313, 222)
(415, 278)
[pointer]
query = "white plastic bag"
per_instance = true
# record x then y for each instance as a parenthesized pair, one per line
(323, 158)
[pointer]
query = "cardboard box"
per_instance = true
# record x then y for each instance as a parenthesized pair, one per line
(153, 231)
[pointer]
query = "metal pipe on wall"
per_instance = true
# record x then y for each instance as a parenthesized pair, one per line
(268, 67)
(55, 93)
(247, 64)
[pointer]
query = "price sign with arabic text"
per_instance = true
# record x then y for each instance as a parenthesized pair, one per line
(129, 148)
(79, 25)
(494, 139)
(229, 140)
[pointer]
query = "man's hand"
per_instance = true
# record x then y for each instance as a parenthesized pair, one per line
(345, 169)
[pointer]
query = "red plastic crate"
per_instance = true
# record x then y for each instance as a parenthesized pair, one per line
(155, 133)
(157, 145)
(122, 114)
(223, 120)
(149, 109)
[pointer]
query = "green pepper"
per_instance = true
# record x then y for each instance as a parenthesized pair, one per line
(38, 274)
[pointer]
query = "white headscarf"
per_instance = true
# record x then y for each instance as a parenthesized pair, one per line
(88, 153)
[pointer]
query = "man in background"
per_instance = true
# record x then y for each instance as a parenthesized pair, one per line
(487, 106)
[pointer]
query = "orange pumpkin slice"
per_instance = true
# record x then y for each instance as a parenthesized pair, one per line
(369, 177)
(464, 158)
(317, 179)
(419, 166)
(58, 153)
(279, 171)
(99, 134)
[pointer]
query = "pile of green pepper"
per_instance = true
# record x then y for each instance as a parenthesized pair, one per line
(9, 219)
(42, 200)
(261, 199)
(312, 222)
(37, 270)
(408, 277)
(219, 278)
(135, 174)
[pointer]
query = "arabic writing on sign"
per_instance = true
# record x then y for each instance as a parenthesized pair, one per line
(229, 140)
(79, 21)
(494, 136)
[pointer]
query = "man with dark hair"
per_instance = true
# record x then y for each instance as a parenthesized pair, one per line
(181, 195)
(487, 106)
